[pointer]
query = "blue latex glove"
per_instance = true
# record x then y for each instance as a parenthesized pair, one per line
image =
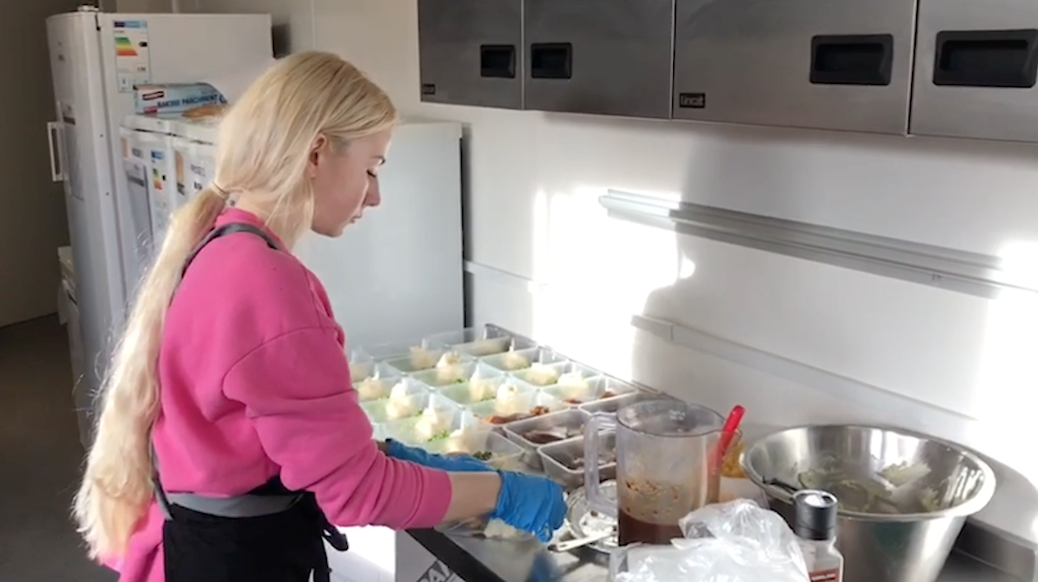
(531, 504)
(460, 463)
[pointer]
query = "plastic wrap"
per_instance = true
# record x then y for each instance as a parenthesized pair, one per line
(729, 542)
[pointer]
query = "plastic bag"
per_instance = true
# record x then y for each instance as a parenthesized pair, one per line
(728, 542)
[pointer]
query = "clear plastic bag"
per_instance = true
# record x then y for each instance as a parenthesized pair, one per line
(728, 542)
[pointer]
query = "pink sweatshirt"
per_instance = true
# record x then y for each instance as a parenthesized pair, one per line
(255, 383)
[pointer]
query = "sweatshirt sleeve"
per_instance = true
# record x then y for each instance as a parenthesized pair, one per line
(296, 390)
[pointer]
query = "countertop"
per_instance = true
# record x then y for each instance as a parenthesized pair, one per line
(478, 559)
(483, 560)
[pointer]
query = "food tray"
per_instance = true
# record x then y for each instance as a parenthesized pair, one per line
(411, 401)
(466, 393)
(557, 460)
(568, 419)
(597, 388)
(479, 341)
(611, 405)
(517, 406)
(504, 454)
(458, 427)
(549, 374)
(522, 359)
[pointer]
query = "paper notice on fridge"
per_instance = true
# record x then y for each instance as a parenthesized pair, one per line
(233, 84)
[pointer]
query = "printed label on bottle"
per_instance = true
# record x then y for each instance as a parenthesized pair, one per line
(832, 575)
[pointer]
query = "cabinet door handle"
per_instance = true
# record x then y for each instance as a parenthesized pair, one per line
(986, 58)
(852, 59)
(497, 61)
(551, 60)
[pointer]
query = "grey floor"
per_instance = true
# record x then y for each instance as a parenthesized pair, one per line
(40, 456)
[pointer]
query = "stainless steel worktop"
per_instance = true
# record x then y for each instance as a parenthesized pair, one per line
(482, 560)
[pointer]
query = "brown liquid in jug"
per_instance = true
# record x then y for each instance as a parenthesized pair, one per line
(649, 511)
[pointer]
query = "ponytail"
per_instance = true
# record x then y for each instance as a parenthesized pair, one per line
(116, 488)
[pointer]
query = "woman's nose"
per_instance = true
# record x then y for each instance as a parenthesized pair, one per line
(374, 196)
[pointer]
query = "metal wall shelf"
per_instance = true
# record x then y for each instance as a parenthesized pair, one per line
(954, 270)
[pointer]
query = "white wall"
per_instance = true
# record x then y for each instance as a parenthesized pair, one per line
(549, 263)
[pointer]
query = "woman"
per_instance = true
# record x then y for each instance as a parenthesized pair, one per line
(231, 373)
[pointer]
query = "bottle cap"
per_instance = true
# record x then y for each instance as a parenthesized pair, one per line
(815, 515)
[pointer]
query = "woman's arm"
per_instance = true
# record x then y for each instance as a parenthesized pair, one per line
(472, 495)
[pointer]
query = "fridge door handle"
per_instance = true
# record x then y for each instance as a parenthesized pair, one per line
(57, 166)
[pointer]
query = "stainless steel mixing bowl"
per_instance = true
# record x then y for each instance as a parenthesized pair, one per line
(901, 538)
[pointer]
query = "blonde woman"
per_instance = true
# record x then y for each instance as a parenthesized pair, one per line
(230, 435)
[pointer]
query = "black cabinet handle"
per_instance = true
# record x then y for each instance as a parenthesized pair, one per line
(986, 58)
(551, 60)
(497, 61)
(852, 59)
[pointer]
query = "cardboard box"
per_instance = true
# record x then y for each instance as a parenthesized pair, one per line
(174, 97)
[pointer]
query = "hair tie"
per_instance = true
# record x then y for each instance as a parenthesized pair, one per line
(221, 192)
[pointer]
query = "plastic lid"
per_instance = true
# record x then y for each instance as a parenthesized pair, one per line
(815, 515)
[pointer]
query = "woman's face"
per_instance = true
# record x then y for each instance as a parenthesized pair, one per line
(345, 182)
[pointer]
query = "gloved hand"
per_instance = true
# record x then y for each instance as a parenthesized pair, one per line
(531, 504)
(460, 463)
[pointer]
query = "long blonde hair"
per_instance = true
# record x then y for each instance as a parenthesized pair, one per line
(262, 153)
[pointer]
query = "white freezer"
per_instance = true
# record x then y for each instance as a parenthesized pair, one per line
(96, 58)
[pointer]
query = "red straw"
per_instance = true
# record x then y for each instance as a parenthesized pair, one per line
(731, 425)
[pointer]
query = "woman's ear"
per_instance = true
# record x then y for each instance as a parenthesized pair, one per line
(318, 148)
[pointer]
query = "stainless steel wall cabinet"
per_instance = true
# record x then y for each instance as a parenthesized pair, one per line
(975, 71)
(610, 57)
(471, 52)
(839, 64)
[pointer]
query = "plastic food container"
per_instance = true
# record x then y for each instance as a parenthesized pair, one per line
(457, 429)
(375, 381)
(532, 433)
(483, 385)
(515, 401)
(550, 374)
(412, 398)
(592, 389)
(478, 341)
(513, 361)
(611, 405)
(420, 359)
(451, 374)
(563, 462)
(394, 350)
(490, 447)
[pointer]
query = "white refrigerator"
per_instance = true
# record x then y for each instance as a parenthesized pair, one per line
(96, 61)
(398, 273)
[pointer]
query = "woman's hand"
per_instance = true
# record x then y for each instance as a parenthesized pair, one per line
(531, 504)
(457, 464)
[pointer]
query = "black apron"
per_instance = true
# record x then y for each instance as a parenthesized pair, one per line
(270, 534)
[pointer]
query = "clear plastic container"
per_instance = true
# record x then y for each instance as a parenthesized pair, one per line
(377, 384)
(552, 374)
(361, 365)
(516, 360)
(452, 374)
(406, 399)
(395, 350)
(482, 385)
(532, 433)
(490, 447)
(447, 425)
(479, 341)
(563, 462)
(611, 405)
(590, 390)
(417, 360)
(515, 401)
